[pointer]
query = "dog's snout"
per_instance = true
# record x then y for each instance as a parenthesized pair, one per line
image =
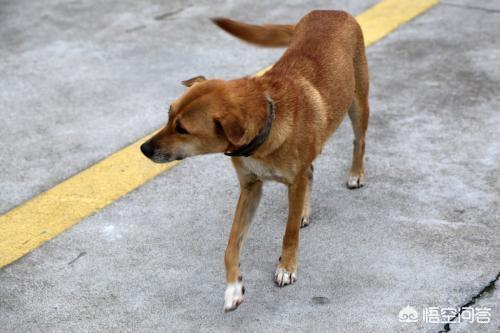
(147, 149)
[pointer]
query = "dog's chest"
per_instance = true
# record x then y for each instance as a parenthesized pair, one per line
(264, 171)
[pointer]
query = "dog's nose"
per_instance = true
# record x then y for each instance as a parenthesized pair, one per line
(147, 149)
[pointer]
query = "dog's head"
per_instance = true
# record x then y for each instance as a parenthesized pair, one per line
(207, 118)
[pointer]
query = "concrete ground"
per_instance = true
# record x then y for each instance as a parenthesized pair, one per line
(81, 80)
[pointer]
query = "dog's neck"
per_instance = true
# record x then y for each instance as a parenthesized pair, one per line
(263, 134)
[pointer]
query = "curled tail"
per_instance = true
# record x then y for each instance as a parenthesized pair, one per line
(270, 35)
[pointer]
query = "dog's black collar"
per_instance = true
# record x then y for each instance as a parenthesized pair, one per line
(249, 148)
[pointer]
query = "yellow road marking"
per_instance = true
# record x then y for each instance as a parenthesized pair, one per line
(43, 217)
(40, 219)
(378, 21)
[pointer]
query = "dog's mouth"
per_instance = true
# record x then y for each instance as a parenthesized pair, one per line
(157, 156)
(165, 158)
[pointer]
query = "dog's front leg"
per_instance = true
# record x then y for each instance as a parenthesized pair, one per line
(251, 190)
(287, 267)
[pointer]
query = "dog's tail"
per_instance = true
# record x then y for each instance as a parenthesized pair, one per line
(270, 35)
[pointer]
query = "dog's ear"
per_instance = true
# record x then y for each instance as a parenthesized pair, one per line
(232, 128)
(191, 81)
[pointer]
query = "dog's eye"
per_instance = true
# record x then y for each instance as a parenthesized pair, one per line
(179, 129)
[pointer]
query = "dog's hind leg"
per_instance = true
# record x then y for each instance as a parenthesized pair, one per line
(306, 214)
(251, 190)
(359, 113)
(359, 119)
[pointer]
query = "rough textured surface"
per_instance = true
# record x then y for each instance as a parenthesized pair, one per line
(81, 81)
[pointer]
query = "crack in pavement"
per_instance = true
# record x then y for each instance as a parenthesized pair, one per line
(487, 10)
(171, 13)
(488, 288)
(139, 27)
(160, 17)
(78, 257)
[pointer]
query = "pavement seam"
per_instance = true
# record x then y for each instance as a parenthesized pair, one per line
(487, 10)
(486, 289)
(81, 254)
(166, 15)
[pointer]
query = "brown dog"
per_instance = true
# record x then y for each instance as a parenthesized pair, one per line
(276, 124)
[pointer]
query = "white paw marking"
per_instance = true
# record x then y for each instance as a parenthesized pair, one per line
(233, 296)
(282, 277)
(355, 181)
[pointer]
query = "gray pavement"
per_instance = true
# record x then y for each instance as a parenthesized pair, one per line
(81, 80)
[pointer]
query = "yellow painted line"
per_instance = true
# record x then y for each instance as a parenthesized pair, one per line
(383, 18)
(40, 219)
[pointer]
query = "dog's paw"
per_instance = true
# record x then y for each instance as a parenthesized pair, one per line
(282, 277)
(233, 296)
(304, 222)
(355, 182)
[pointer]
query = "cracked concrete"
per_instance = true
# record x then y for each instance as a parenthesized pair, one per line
(489, 292)
(78, 85)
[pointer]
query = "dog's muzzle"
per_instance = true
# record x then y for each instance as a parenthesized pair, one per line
(150, 151)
